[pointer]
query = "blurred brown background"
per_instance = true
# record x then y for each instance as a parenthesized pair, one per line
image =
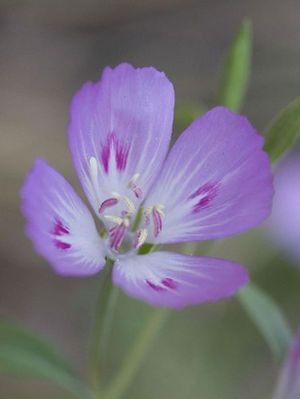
(48, 49)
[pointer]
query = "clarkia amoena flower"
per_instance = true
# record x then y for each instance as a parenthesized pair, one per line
(285, 220)
(289, 381)
(215, 182)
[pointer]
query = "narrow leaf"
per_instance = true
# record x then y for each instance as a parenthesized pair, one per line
(26, 355)
(268, 318)
(283, 131)
(236, 69)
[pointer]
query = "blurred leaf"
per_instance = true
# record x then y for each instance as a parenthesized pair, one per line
(26, 355)
(186, 112)
(236, 69)
(283, 131)
(268, 318)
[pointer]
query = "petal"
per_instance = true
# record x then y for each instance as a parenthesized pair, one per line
(120, 129)
(59, 224)
(285, 219)
(215, 182)
(174, 280)
(289, 381)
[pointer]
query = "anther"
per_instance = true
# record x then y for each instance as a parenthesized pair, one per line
(134, 187)
(160, 209)
(147, 214)
(117, 232)
(129, 204)
(107, 204)
(140, 238)
(157, 220)
(157, 214)
(117, 235)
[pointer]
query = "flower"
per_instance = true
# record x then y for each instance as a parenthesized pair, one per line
(215, 182)
(288, 386)
(285, 220)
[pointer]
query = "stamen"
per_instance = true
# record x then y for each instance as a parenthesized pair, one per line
(160, 209)
(140, 238)
(117, 235)
(134, 187)
(129, 204)
(107, 204)
(137, 192)
(114, 219)
(147, 214)
(134, 178)
(157, 220)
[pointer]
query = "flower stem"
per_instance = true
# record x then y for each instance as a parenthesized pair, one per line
(133, 360)
(102, 326)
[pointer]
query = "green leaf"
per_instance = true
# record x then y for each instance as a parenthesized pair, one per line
(283, 131)
(186, 112)
(236, 69)
(26, 355)
(268, 318)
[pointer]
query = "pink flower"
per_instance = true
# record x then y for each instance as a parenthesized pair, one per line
(215, 182)
(289, 381)
(285, 220)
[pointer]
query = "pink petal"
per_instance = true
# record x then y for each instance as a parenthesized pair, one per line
(285, 218)
(59, 224)
(124, 122)
(289, 381)
(168, 279)
(215, 182)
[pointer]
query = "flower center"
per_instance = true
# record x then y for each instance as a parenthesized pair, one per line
(127, 222)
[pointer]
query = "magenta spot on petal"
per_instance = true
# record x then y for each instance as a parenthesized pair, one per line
(169, 283)
(61, 244)
(114, 145)
(60, 229)
(207, 193)
(155, 287)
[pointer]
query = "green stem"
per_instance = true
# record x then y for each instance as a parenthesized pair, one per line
(136, 355)
(101, 330)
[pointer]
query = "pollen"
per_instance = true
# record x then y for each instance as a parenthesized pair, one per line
(129, 204)
(134, 187)
(157, 213)
(114, 219)
(140, 238)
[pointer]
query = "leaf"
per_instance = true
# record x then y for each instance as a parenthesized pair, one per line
(268, 318)
(236, 69)
(26, 355)
(283, 131)
(186, 112)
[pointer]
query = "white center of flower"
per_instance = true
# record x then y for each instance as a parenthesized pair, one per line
(120, 212)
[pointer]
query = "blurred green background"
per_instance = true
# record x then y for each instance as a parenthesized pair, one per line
(48, 49)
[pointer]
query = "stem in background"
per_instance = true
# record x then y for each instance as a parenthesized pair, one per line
(102, 326)
(135, 356)
(133, 360)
